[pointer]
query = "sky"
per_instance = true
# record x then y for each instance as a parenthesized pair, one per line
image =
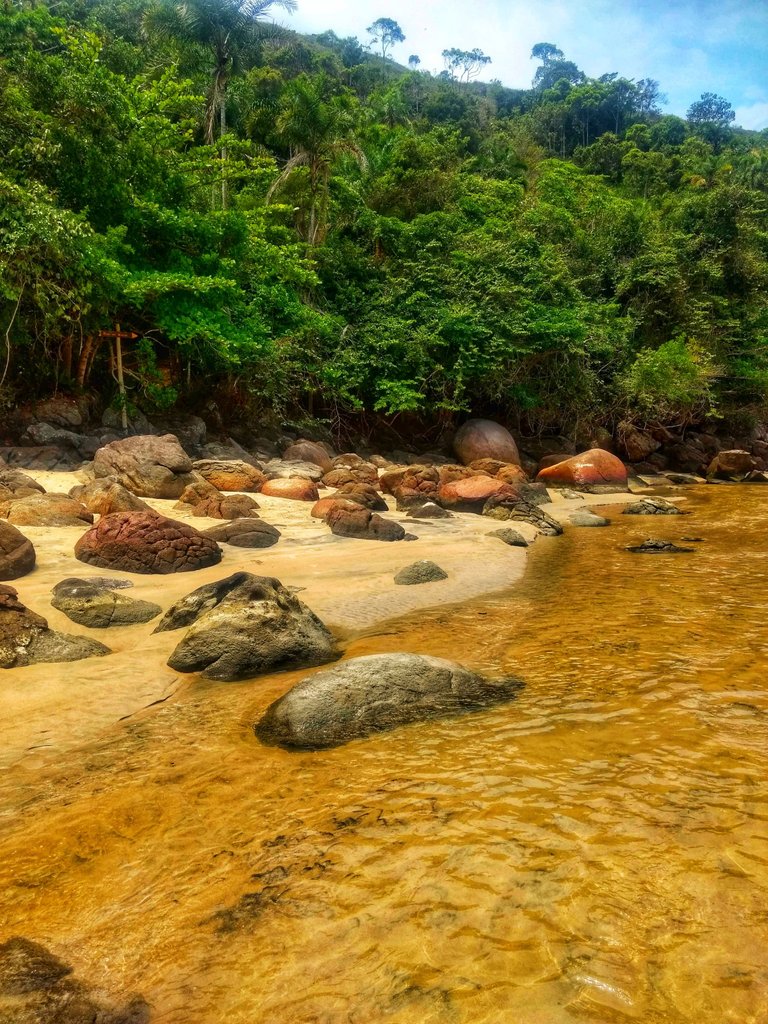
(688, 46)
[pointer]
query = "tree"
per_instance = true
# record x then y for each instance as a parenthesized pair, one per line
(554, 67)
(471, 62)
(711, 117)
(225, 28)
(414, 61)
(386, 32)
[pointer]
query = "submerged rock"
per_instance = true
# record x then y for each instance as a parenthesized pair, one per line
(653, 507)
(522, 512)
(595, 470)
(583, 517)
(420, 572)
(657, 547)
(90, 603)
(17, 554)
(25, 638)
(145, 542)
(373, 694)
(243, 626)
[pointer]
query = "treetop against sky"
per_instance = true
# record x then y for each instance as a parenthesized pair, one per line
(690, 47)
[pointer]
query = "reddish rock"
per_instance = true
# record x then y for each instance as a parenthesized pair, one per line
(489, 466)
(107, 496)
(152, 467)
(731, 465)
(144, 542)
(471, 494)
(202, 499)
(513, 475)
(363, 494)
(230, 474)
(364, 473)
(322, 507)
(309, 451)
(45, 510)
(635, 443)
(295, 488)
(422, 480)
(363, 524)
(552, 460)
(25, 639)
(484, 439)
(17, 555)
(595, 469)
(447, 474)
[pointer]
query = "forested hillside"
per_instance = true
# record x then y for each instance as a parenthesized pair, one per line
(298, 226)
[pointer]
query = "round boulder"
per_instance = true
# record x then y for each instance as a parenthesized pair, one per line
(583, 517)
(17, 555)
(322, 507)
(595, 470)
(144, 542)
(376, 693)
(484, 439)
(15, 484)
(514, 538)
(150, 466)
(294, 488)
(230, 474)
(420, 572)
(204, 500)
(731, 465)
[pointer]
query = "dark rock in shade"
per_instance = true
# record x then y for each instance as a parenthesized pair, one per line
(584, 517)
(535, 494)
(92, 604)
(363, 524)
(46, 457)
(204, 500)
(374, 694)
(106, 496)
(657, 547)
(522, 512)
(17, 554)
(15, 484)
(653, 507)
(244, 626)
(684, 478)
(420, 572)
(756, 476)
(428, 510)
(38, 988)
(635, 443)
(152, 467)
(309, 451)
(25, 638)
(145, 542)
(244, 533)
(230, 474)
(45, 510)
(484, 439)
(511, 537)
(731, 465)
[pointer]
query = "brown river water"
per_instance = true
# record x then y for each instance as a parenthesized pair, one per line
(595, 851)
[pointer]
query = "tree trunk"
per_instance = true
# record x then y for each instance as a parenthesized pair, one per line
(85, 354)
(223, 132)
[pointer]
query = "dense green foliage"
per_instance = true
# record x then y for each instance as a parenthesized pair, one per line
(314, 228)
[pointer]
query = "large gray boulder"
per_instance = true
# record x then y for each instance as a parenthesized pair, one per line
(373, 694)
(243, 626)
(94, 603)
(152, 467)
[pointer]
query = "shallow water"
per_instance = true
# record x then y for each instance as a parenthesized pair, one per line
(595, 851)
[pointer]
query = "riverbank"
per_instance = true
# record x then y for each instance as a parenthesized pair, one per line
(49, 709)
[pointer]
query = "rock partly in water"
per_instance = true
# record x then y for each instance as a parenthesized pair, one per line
(243, 626)
(230, 474)
(93, 605)
(509, 536)
(484, 439)
(152, 467)
(520, 511)
(374, 694)
(244, 533)
(583, 517)
(25, 638)
(657, 547)
(38, 988)
(420, 572)
(17, 554)
(145, 542)
(106, 496)
(684, 479)
(363, 524)
(653, 507)
(596, 471)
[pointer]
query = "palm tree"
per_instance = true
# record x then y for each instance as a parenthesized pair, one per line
(226, 29)
(318, 132)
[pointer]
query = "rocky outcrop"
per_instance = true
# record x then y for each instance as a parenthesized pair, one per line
(420, 572)
(25, 638)
(144, 542)
(106, 496)
(149, 466)
(244, 533)
(230, 474)
(203, 500)
(38, 988)
(596, 471)
(373, 694)
(17, 554)
(45, 510)
(653, 507)
(293, 488)
(731, 465)
(363, 524)
(244, 626)
(94, 603)
(484, 439)
(520, 511)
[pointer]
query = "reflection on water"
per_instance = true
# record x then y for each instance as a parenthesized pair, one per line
(596, 851)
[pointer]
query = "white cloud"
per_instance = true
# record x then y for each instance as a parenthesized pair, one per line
(754, 116)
